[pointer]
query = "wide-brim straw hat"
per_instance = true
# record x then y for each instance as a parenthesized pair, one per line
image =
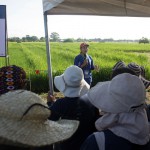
(24, 121)
(71, 83)
(124, 93)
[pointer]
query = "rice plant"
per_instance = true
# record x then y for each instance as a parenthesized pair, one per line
(32, 57)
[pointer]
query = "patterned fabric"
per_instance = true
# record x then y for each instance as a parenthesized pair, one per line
(146, 82)
(11, 78)
(119, 64)
(122, 70)
(142, 71)
(136, 68)
(120, 67)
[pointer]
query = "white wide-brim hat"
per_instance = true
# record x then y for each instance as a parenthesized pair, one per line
(24, 121)
(72, 82)
(124, 93)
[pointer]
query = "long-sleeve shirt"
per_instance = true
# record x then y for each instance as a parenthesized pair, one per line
(78, 61)
(107, 140)
(75, 109)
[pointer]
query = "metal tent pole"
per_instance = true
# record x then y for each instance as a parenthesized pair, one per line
(48, 55)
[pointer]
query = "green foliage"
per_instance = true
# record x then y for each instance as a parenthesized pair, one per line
(144, 40)
(54, 37)
(32, 56)
(69, 40)
(28, 38)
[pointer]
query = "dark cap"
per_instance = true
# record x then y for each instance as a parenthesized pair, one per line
(83, 44)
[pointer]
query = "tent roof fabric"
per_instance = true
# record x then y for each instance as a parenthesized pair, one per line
(135, 8)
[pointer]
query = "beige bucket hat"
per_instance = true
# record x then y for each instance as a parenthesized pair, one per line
(72, 82)
(23, 120)
(124, 93)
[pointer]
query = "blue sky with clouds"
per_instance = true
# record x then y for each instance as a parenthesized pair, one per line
(25, 17)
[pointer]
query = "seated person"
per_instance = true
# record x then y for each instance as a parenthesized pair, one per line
(12, 78)
(121, 70)
(72, 84)
(124, 125)
(139, 70)
(24, 123)
(133, 69)
(119, 64)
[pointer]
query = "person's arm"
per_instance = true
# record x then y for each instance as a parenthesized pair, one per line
(55, 107)
(76, 61)
(94, 67)
(79, 62)
(84, 64)
(50, 99)
(56, 110)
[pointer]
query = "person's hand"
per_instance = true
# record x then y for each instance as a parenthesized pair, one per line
(51, 98)
(84, 63)
(96, 68)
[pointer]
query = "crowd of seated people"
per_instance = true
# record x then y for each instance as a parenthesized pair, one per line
(111, 115)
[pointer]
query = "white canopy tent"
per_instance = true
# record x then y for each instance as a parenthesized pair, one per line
(133, 8)
(139, 8)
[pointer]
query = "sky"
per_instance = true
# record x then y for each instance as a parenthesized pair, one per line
(25, 17)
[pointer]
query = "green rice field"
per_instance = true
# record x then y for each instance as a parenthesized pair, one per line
(32, 57)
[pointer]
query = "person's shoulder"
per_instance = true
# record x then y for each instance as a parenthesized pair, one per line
(79, 56)
(59, 101)
(84, 98)
(90, 56)
(90, 143)
(66, 100)
(84, 101)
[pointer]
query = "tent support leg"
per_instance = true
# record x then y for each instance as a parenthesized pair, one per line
(48, 55)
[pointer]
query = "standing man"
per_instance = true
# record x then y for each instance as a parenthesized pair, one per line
(85, 62)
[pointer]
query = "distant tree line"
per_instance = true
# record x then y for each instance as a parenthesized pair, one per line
(144, 40)
(54, 37)
(27, 38)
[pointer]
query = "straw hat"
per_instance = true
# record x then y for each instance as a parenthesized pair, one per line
(124, 93)
(72, 82)
(23, 120)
